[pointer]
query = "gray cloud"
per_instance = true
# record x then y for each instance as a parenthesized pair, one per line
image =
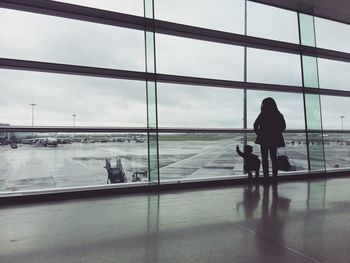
(52, 39)
(181, 56)
(273, 67)
(96, 101)
(204, 107)
(272, 23)
(290, 105)
(334, 74)
(332, 108)
(220, 15)
(332, 35)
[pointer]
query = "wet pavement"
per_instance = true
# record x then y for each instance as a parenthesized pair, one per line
(82, 164)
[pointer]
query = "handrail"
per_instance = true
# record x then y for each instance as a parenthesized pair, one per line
(101, 129)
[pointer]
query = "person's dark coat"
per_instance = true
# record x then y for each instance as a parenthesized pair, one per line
(269, 128)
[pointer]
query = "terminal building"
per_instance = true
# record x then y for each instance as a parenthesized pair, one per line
(5, 137)
(125, 117)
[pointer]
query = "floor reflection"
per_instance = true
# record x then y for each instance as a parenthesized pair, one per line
(151, 253)
(251, 198)
(274, 213)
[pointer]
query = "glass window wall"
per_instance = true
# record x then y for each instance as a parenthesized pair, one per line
(332, 35)
(29, 36)
(195, 58)
(94, 101)
(334, 74)
(199, 107)
(193, 156)
(337, 150)
(37, 160)
(223, 15)
(333, 108)
(289, 104)
(188, 156)
(272, 23)
(273, 67)
(60, 160)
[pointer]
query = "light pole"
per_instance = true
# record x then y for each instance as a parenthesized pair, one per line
(342, 136)
(33, 105)
(74, 115)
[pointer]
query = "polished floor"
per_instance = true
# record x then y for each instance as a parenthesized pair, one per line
(288, 222)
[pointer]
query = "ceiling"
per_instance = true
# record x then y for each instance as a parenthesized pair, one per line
(338, 10)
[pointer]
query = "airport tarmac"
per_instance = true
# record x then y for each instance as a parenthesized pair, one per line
(82, 164)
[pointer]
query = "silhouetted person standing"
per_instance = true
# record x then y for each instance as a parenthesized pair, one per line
(269, 126)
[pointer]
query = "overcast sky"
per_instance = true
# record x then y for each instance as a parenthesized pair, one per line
(111, 102)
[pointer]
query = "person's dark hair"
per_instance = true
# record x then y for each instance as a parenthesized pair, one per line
(269, 105)
(248, 149)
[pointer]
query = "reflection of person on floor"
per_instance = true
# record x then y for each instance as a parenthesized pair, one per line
(251, 161)
(272, 220)
(251, 198)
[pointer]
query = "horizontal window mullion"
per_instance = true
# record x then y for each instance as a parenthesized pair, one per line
(72, 69)
(164, 78)
(72, 129)
(134, 129)
(71, 11)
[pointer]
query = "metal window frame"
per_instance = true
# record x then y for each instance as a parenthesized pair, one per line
(100, 16)
(112, 18)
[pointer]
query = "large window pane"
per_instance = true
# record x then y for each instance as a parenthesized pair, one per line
(334, 74)
(133, 7)
(332, 35)
(273, 23)
(201, 107)
(198, 155)
(188, 57)
(333, 108)
(32, 36)
(223, 15)
(194, 156)
(337, 150)
(273, 67)
(296, 151)
(289, 104)
(95, 101)
(56, 160)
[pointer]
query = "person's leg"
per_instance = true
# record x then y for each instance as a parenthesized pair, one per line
(273, 156)
(265, 162)
(250, 175)
(257, 168)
